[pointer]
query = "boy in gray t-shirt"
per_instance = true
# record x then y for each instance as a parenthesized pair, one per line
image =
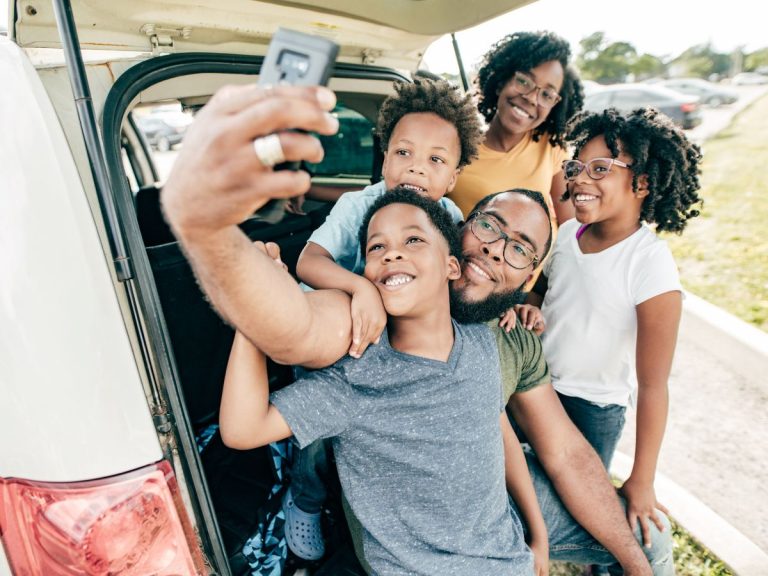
(417, 422)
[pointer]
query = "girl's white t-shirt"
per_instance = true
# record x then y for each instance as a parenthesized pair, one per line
(589, 308)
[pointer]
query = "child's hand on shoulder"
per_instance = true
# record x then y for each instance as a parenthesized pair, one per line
(530, 316)
(273, 251)
(368, 318)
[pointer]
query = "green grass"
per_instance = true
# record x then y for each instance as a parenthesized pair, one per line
(691, 559)
(723, 254)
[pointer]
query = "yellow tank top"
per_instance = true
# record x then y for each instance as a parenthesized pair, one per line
(529, 165)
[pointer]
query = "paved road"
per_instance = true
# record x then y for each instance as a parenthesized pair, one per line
(715, 119)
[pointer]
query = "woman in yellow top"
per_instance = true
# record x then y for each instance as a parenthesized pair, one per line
(527, 93)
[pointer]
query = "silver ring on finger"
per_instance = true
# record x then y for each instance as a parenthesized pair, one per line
(269, 150)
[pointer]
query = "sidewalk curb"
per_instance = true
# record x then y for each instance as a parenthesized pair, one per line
(739, 345)
(708, 528)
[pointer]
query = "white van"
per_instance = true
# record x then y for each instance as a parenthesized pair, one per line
(112, 361)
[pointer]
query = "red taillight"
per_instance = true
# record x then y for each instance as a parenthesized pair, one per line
(689, 107)
(131, 524)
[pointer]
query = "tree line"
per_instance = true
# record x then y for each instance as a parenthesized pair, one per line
(609, 62)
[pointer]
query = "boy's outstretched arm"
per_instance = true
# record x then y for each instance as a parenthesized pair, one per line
(520, 487)
(246, 417)
(317, 268)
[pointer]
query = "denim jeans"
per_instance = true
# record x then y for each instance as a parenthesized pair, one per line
(568, 541)
(601, 425)
(310, 475)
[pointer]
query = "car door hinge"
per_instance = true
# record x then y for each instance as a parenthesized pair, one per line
(370, 55)
(163, 422)
(162, 38)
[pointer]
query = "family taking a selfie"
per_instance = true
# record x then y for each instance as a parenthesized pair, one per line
(468, 331)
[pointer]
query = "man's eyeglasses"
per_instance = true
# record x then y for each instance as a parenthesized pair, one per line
(516, 254)
(597, 168)
(524, 85)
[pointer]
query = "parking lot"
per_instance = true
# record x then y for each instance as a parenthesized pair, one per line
(715, 119)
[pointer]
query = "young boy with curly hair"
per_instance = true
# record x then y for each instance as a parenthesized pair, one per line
(425, 452)
(610, 292)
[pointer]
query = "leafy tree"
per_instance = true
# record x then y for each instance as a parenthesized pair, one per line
(756, 59)
(701, 61)
(605, 62)
(648, 66)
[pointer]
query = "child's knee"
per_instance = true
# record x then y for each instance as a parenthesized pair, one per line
(659, 553)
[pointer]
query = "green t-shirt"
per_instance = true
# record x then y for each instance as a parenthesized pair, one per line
(522, 361)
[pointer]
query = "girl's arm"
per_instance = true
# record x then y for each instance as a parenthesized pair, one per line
(318, 269)
(520, 487)
(246, 417)
(657, 322)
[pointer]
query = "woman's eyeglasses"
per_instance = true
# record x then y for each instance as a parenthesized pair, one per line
(524, 85)
(597, 168)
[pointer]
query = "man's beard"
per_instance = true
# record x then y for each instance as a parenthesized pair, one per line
(489, 308)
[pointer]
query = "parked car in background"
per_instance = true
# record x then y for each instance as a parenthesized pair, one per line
(590, 86)
(159, 132)
(749, 79)
(683, 109)
(709, 94)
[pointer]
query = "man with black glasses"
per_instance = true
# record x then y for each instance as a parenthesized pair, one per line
(204, 202)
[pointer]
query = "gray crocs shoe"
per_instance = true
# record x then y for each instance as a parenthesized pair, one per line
(302, 530)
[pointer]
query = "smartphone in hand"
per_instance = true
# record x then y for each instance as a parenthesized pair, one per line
(297, 59)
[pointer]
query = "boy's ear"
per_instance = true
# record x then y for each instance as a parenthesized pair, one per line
(642, 186)
(454, 178)
(454, 268)
(384, 165)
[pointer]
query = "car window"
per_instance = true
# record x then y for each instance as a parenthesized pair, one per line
(350, 151)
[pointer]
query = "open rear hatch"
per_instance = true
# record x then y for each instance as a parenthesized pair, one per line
(394, 33)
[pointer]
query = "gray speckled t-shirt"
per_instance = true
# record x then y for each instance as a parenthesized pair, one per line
(419, 452)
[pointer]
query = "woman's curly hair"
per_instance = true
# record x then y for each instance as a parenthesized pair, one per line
(522, 52)
(438, 97)
(659, 150)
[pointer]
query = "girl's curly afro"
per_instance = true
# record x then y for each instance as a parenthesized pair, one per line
(521, 52)
(658, 149)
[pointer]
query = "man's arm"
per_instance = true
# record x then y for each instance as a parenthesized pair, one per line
(577, 474)
(217, 182)
(318, 269)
